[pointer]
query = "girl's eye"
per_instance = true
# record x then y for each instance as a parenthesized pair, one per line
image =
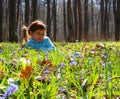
(43, 34)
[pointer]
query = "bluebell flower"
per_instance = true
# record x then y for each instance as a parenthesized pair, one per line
(62, 65)
(73, 62)
(61, 89)
(77, 54)
(1, 50)
(46, 71)
(11, 89)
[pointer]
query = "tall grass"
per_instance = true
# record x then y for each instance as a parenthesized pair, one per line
(75, 70)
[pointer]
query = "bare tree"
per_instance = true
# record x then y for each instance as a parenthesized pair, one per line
(118, 17)
(79, 20)
(106, 21)
(34, 10)
(17, 18)
(116, 11)
(1, 22)
(75, 17)
(48, 19)
(66, 15)
(86, 20)
(71, 34)
(64, 19)
(54, 18)
(102, 18)
(12, 21)
(92, 16)
(27, 9)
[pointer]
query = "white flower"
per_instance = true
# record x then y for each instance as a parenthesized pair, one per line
(11, 81)
(25, 61)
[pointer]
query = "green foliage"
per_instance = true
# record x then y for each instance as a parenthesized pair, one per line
(74, 70)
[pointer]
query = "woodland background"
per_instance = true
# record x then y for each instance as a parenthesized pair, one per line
(66, 20)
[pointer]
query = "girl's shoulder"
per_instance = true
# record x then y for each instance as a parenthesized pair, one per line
(46, 38)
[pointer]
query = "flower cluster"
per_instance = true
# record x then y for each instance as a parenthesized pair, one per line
(11, 89)
(26, 73)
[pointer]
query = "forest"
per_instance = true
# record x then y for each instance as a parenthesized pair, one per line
(66, 20)
(80, 58)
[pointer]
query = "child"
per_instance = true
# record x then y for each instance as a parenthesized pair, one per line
(38, 40)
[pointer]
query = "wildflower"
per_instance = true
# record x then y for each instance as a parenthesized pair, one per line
(59, 75)
(62, 65)
(25, 61)
(92, 52)
(11, 81)
(42, 78)
(11, 89)
(77, 54)
(61, 90)
(46, 71)
(103, 56)
(39, 78)
(26, 73)
(1, 50)
(73, 62)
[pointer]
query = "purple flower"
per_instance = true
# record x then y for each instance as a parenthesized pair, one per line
(11, 89)
(46, 71)
(61, 89)
(73, 62)
(77, 54)
(62, 65)
(1, 50)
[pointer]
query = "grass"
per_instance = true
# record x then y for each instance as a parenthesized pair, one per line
(73, 71)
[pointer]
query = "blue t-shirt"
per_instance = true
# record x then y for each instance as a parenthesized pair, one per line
(44, 45)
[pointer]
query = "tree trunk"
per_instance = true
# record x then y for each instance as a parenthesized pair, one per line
(118, 18)
(6, 21)
(12, 21)
(86, 20)
(105, 21)
(48, 19)
(92, 17)
(64, 20)
(1, 18)
(79, 20)
(34, 10)
(54, 18)
(27, 10)
(116, 8)
(17, 19)
(75, 18)
(102, 18)
(71, 37)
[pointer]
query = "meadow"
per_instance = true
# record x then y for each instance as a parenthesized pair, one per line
(81, 70)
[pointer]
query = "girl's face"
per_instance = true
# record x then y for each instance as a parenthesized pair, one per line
(38, 35)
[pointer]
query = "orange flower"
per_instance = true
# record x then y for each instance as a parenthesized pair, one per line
(26, 73)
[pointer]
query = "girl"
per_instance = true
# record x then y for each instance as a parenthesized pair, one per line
(38, 40)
